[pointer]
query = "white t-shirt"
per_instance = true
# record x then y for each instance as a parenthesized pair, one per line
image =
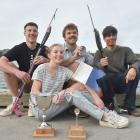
(51, 84)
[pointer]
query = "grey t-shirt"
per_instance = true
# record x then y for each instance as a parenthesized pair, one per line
(51, 84)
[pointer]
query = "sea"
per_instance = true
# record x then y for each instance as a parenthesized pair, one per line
(3, 87)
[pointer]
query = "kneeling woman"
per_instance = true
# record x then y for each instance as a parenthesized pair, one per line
(48, 80)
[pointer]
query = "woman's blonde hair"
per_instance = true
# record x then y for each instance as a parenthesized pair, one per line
(49, 49)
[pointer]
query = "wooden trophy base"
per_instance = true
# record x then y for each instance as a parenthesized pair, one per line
(44, 132)
(76, 132)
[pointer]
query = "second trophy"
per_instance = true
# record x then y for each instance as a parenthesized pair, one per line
(76, 131)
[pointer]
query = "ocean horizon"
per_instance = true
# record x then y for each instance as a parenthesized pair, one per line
(3, 87)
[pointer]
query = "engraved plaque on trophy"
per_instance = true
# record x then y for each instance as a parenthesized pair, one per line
(44, 129)
(76, 131)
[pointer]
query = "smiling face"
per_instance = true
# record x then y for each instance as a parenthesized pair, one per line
(31, 33)
(110, 36)
(110, 40)
(56, 54)
(71, 36)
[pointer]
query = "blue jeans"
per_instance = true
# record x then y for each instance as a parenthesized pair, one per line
(81, 99)
(113, 83)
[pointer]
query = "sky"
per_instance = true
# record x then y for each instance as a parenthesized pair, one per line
(123, 14)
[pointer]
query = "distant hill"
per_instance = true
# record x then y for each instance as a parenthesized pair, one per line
(5, 50)
(138, 55)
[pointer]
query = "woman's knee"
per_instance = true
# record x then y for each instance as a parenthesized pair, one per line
(77, 86)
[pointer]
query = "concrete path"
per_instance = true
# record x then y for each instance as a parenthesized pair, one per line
(13, 128)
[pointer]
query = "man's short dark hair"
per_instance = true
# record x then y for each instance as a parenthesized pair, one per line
(69, 26)
(30, 24)
(109, 30)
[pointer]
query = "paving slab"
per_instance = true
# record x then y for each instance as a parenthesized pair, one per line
(21, 128)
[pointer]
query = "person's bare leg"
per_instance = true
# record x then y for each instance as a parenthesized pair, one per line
(76, 86)
(11, 82)
(100, 93)
(12, 85)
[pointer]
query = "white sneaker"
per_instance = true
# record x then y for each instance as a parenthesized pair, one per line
(30, 112)
(114, 120)
(7, 111)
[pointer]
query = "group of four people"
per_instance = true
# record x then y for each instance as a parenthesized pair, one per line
(56, 66)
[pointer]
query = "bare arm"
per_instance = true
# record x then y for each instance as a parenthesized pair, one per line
(6, 67)
(40, 60)
(96, 98)
(68, 61)
(76, 55)
(36, 87)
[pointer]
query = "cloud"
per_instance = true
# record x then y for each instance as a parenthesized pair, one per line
(122, 14)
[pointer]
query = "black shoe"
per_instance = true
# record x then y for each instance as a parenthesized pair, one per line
(134, 112)
(110, 106)
(83, 114)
